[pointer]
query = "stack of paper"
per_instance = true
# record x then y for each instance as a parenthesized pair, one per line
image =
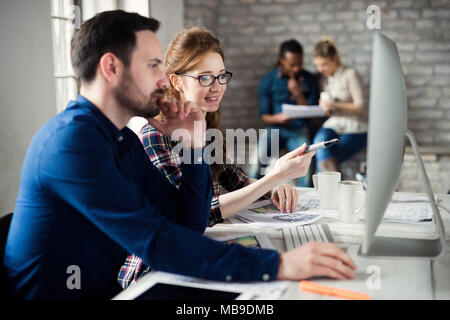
(403, 208)
(296, 111)
(406, 208)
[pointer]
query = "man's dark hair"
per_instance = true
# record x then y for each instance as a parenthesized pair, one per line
(109, 31)
(290, 46)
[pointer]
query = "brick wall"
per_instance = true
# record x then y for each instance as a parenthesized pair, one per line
(437, 166)
(251, 31)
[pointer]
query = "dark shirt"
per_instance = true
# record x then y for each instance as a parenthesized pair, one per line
(89, 194)
(273, 92)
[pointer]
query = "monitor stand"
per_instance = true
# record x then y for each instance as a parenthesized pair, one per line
(402, 247)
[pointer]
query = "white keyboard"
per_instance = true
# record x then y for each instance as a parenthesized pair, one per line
(296, 236)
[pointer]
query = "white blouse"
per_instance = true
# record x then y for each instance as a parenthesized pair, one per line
(346, 86)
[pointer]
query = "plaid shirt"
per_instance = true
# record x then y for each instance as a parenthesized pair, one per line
(159, 150)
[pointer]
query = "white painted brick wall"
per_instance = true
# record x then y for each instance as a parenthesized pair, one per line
(251, 31)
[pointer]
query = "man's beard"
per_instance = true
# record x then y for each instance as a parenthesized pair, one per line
(128, 94)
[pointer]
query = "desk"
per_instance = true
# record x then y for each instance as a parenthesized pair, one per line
(392, 278)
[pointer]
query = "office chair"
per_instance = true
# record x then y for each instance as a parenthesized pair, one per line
(5, 222)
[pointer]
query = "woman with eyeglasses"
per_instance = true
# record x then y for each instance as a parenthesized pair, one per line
(194, 64)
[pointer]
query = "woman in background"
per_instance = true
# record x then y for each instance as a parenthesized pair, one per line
(344, 102)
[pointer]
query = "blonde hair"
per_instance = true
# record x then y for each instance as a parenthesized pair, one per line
(326, 48)
(184, 52)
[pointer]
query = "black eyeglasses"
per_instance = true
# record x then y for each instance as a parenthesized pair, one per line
(208, 80)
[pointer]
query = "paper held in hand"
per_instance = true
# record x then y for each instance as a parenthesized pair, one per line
(297, 111)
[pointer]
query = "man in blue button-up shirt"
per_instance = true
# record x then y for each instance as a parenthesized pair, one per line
(291, 84)
(89, 194)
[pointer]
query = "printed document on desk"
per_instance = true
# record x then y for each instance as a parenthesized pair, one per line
(407, 208)
(265, 214)
(297, 111)
(403, 208)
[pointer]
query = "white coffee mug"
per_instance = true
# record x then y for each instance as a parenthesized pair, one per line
(326, 183)
(352, 200)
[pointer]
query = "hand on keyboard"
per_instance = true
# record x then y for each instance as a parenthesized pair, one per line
(316, 259)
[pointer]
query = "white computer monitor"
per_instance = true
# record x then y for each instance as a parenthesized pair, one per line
(385, 149)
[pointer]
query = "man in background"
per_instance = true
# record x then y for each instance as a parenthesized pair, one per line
(291, 84)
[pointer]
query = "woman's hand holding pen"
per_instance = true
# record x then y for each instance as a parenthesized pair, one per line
(293, 164)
